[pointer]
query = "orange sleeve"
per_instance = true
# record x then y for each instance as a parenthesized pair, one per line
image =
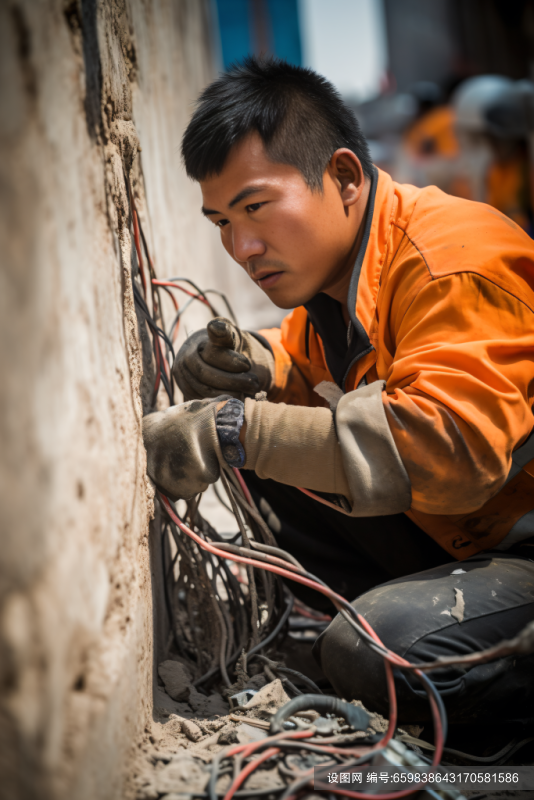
(298, 368)
(460, 391)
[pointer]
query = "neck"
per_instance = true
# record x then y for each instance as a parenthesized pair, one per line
(338, 289)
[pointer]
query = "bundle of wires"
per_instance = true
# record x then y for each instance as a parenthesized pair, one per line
(202, 594)
(247, 758)
(244, 617)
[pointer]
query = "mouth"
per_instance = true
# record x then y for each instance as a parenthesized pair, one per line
(268, 279)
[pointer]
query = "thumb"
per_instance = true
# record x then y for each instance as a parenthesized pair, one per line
(224, 333)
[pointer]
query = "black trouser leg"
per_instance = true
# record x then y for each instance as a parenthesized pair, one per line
(416, 615)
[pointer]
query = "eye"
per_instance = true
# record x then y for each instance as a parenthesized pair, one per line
(221, 223)
(254, 206)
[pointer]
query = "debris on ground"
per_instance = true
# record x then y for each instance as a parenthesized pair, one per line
(267, 701)
(190, 728)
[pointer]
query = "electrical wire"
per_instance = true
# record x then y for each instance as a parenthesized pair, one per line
(285, 569)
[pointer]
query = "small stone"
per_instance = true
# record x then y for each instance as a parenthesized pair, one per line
(268, 700)
(228, 736)
(176, 679)
(191, 730)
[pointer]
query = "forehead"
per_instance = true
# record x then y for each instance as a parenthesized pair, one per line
(247, 165)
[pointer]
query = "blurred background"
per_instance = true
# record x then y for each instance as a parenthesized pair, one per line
(443, 89)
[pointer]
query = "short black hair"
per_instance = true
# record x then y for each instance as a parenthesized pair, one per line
(300, 116)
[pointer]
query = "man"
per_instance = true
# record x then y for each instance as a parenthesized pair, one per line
(400, 388)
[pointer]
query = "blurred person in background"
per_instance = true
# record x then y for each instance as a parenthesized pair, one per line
(432, 132)
(494, 121)
(429, 149)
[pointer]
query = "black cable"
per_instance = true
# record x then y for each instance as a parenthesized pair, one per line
(138, 297)
(178, 315)
(305, 624)
(197, 289)
(272, 636)
(431, 689)
(156, 331)
(356, 717)
(225, 301)
(298, 676)
(168, 605)
(301, 783)
(254, 650)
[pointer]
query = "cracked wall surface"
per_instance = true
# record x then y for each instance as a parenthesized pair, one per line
(91, 91)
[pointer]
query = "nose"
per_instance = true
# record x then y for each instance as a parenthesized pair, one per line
(245, 244)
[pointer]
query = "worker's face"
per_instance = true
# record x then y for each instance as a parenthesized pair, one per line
(293, 242)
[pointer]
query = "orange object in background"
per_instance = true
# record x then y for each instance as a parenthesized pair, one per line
(508, 188)
(433, 134)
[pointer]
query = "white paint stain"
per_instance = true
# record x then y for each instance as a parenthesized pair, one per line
(435, 600)
(493, 593)
(458, 610)
(458, 572)
(446, 612)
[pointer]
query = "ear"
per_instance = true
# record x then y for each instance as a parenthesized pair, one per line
(346, 170)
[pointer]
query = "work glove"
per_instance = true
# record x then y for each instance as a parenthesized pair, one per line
(222, 358)
(183, 448)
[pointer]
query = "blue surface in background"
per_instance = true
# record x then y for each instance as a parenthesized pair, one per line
(236, 29)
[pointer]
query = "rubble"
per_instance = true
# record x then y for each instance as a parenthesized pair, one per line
(185, 735)
(191, 730)
(267, 700)
(179, 687)
(183, 775)
(176, 678)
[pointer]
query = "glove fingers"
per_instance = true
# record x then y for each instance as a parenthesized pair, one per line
(223, 333)
(219, 380)
(191, 387)
(223, 358)
(181, 445)
(182, 378)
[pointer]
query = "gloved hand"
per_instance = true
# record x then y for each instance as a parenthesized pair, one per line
(222, 358)
(183, 447)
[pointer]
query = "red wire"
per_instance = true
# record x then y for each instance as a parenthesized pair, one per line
(389, 657)
(173, 298)
(247, 749)
(322, 500)
(393, 657)
(243, 775)
(243, 486)
(390, 684)
(181, 288)
(285, 573)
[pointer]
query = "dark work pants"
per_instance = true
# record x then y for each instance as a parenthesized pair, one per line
(412, 593)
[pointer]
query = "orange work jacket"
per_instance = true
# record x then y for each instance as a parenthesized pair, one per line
(442, 309)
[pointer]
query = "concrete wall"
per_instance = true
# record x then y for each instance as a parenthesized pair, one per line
(82, 83)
